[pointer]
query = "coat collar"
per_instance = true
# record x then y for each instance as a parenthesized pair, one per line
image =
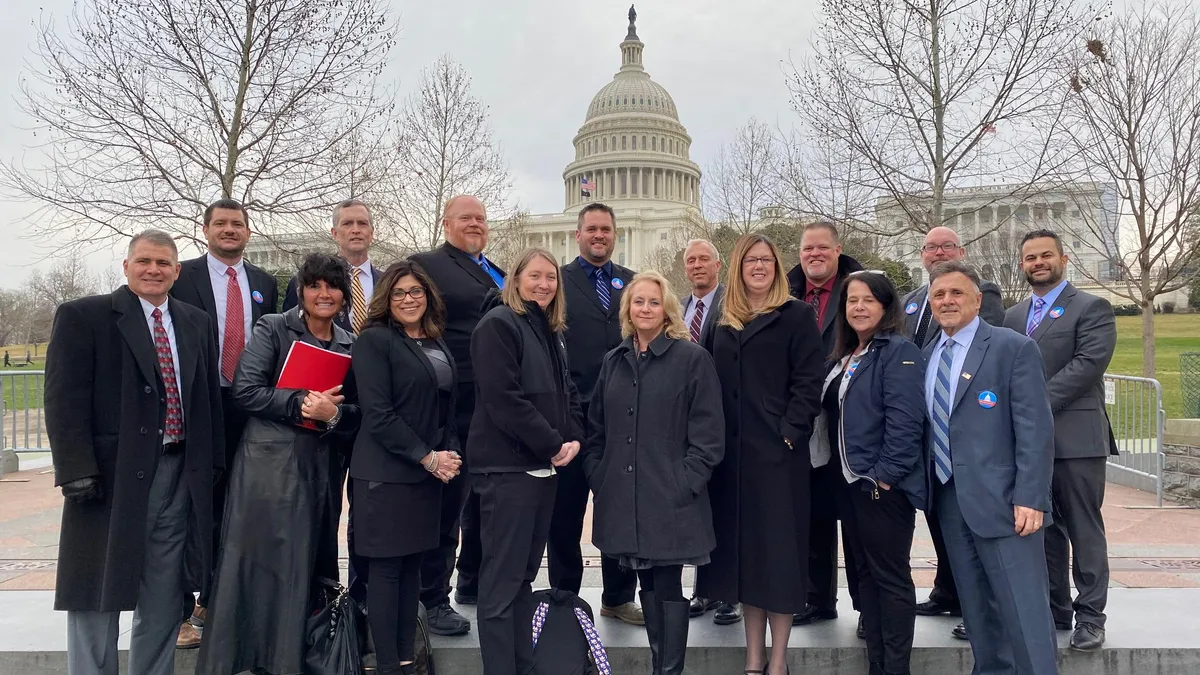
(1062, 301)
(658, 346)
(132, 325)
(468, 264)
(979, 347)
(342, 339)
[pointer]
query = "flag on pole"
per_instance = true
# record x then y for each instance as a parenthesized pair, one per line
(586, 186)
(989, 128)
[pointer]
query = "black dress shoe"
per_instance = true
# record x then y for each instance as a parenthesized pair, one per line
(700, 605)
(1087, 637)
(934, 608)
(465, 598)
(813, 614)
(959, 631)
(443, 620)
(727, 614)
(860, 631)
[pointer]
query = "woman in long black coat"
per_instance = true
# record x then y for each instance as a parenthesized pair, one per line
(770, 360)
(285, 492)
(657, 432)
(407, 448)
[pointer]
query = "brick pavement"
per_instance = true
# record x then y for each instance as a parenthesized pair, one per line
(1148, 547)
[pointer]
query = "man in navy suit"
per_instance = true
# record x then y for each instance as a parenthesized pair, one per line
(991, 440)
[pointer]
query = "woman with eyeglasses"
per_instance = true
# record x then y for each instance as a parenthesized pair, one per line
(406, 450)
(872, 424)
(770, 360)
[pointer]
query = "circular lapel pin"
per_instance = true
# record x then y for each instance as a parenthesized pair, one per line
(1056, 312)
(617, 283)
(258, 297)
(911, 308)
(987, 399)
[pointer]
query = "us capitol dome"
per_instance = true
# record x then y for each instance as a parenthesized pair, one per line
(631, 153)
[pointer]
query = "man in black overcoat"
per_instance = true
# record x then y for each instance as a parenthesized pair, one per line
(234, 293)
(463, 276)
(592, 284)
(133, 412)
(818, 280)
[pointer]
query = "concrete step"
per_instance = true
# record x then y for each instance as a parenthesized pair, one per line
(1150, 632)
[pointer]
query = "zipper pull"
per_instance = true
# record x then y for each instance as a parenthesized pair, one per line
(875, 494)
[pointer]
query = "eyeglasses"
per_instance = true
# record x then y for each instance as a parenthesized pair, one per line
(415, 293)
(950, 247)
(765, 260)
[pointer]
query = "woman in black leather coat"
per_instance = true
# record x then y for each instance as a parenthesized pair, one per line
(285, 488)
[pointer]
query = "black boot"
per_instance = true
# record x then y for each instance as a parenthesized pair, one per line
(674, 622)
(653, 630)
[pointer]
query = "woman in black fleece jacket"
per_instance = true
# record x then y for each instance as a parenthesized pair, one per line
(527, 421)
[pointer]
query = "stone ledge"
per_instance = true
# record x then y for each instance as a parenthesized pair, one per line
(1182, 432)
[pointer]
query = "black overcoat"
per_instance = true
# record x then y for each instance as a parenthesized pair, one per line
(656, 432)
(281, 515)
(771, 374)
(104, 416)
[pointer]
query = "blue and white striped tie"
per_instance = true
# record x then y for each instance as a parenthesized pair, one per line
(941, 415)
(602, 287)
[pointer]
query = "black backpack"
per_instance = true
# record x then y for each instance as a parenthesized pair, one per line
(565, 641)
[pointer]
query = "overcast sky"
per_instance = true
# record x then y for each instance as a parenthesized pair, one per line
(535, 63)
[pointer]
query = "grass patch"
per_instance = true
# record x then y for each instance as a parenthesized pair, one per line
(1174, 334)
(21, 392)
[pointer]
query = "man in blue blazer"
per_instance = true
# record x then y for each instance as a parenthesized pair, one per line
(991, 440)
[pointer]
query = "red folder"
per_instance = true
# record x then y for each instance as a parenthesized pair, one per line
(313, 368)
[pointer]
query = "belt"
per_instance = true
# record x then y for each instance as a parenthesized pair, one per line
(175, 448)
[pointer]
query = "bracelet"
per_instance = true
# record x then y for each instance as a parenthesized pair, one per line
(337, 416)
(433, 463)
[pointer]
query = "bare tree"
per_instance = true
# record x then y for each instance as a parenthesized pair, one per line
(507, 239)
(67, 280)
(1135, 125)
(998, 258)
(743, 177)
(147, 110)
(13, 317)
(937, 94)
(821, 179)
(446, 148)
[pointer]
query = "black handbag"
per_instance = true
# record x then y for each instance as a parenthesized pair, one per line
(332, 646)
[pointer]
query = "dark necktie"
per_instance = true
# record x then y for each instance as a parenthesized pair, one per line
(923, 325)
(697, 321)
(814, 300)
(166, 367)
(602, 287)
(235, 329)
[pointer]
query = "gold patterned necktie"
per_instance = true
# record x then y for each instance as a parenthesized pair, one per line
(358, 303)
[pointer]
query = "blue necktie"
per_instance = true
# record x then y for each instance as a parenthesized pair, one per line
(941, 415)
(602, 287)
(483, 262)
(1036, 319)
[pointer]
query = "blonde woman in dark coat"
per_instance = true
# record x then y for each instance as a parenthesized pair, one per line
(657, 431)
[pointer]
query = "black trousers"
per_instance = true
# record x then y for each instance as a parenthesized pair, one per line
(1077, 495)
(460, 513)
(823, 541)
(665, 582)
(944, 592)
(514, 510)
(359, 567)
(879, 529)
(392, 596)
(564, 554)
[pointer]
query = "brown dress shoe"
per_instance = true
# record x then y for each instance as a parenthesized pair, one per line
(189, 637)
(629, 612)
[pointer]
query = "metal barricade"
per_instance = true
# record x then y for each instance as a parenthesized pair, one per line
(1135, 410)
(23, 421)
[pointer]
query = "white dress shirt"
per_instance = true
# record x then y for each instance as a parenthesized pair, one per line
(962, 344)
(691, 308)
(169, 327)
(367, 281)
(218, 275)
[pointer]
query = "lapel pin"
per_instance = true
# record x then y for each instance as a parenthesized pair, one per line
(987, 400)
(258, 297)
(911, 308)
(966, 376)
(1056, 312)
(617, 283)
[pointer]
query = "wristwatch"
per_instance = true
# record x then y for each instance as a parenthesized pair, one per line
(337, 416)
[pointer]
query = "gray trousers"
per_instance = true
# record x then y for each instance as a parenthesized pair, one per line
(1077, 493)
(1004, 591)
(92, 636)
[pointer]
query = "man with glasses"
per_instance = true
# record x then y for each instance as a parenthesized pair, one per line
(818, 281)
(942, 244)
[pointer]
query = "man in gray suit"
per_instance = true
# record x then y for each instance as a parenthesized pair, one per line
(990, 430)
(942, 244)
(1077, 334)
(701, 313)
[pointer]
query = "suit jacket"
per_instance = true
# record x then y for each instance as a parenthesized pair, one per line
(1002, 455)
(463, 286)
(592, 331)
(712, 315)
(797, 285)
(105, 413)
(404, 414)
(1076, 347)
(194, 287)
(991, 311)
(343, 317)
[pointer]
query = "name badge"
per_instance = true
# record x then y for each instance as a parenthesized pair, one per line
(987, 400)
